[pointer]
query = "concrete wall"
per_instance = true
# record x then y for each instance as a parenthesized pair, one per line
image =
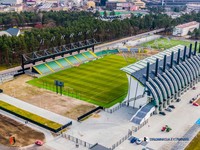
(135, 89)
(143, 40)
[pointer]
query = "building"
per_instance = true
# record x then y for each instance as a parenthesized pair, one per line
(139, 3)
(177, 2)
(91, 4)
(120, 6)
(155, 82)
(13, 31)
(10, 32)
(4, 33)
(52, 1)
(183, 29)
(193, 7)
(11, 2)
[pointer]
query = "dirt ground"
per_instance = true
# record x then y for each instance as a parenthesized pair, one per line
(9, 127)
(62, 105)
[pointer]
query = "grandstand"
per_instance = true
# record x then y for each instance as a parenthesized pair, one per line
(67, 62)
(158, 80)
(106, 52)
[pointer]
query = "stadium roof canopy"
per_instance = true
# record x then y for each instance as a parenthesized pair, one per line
(138, 69)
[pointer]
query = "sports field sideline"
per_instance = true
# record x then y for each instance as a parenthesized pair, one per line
(100, 82)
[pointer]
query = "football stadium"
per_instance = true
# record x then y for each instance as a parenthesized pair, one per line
(125, 86)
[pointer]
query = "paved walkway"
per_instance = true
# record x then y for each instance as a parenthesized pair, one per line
(34, 109)
(135, 37)
(104, 128)
(192, 132)
(181, 119)
(60, 143)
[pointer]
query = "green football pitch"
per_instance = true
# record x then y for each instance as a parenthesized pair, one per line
(100, 82)
(164, 43)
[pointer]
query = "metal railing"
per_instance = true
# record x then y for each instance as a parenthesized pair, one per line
(77, 141)
(122, 140)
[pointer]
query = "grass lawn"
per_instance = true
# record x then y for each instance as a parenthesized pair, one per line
(29, 115)
(195, 143)
(164, 43)
(100, 82)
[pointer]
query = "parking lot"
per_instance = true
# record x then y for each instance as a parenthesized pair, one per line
(180, 120)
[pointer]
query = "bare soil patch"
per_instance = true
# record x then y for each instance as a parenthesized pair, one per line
(23, 135)
(62, 105)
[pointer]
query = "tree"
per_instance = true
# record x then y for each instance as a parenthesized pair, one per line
(105, 14)
(112, 13)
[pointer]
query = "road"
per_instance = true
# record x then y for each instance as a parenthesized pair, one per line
(110, 44)
(98, 47)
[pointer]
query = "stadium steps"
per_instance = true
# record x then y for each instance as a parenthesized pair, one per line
(37, 70)
(85, 56)
(89, 55)
(42, 69)
(93, 54)
(75, 56)
(142, 113)
(73, 60)
(68, 61)
(100, 54)
(53, 65)
(49, 67)
(64, 63)
(114, 51)
(59, 64)
(81, 57)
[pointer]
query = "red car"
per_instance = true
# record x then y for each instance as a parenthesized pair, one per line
(195, 104)
(194, 88)
(163, 128)
(39, 142)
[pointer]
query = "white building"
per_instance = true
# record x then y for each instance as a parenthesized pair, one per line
(11, 2)
(193, 7)
(183, 29)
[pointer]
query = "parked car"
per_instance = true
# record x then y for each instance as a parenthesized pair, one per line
(194, 98)
(162, 113)
(191, 101)
(138, 141)
(194, 88)
(146, 139)
(168, 129)
(178, 100)
(172, 106)
(39, 142)
(168, 109)
(163, 128)
(195, 104)
(133, 140)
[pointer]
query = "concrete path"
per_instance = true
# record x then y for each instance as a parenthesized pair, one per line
(60, 143)
(34, 109)
(135, 37)
(104, 128)
(181, 119)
